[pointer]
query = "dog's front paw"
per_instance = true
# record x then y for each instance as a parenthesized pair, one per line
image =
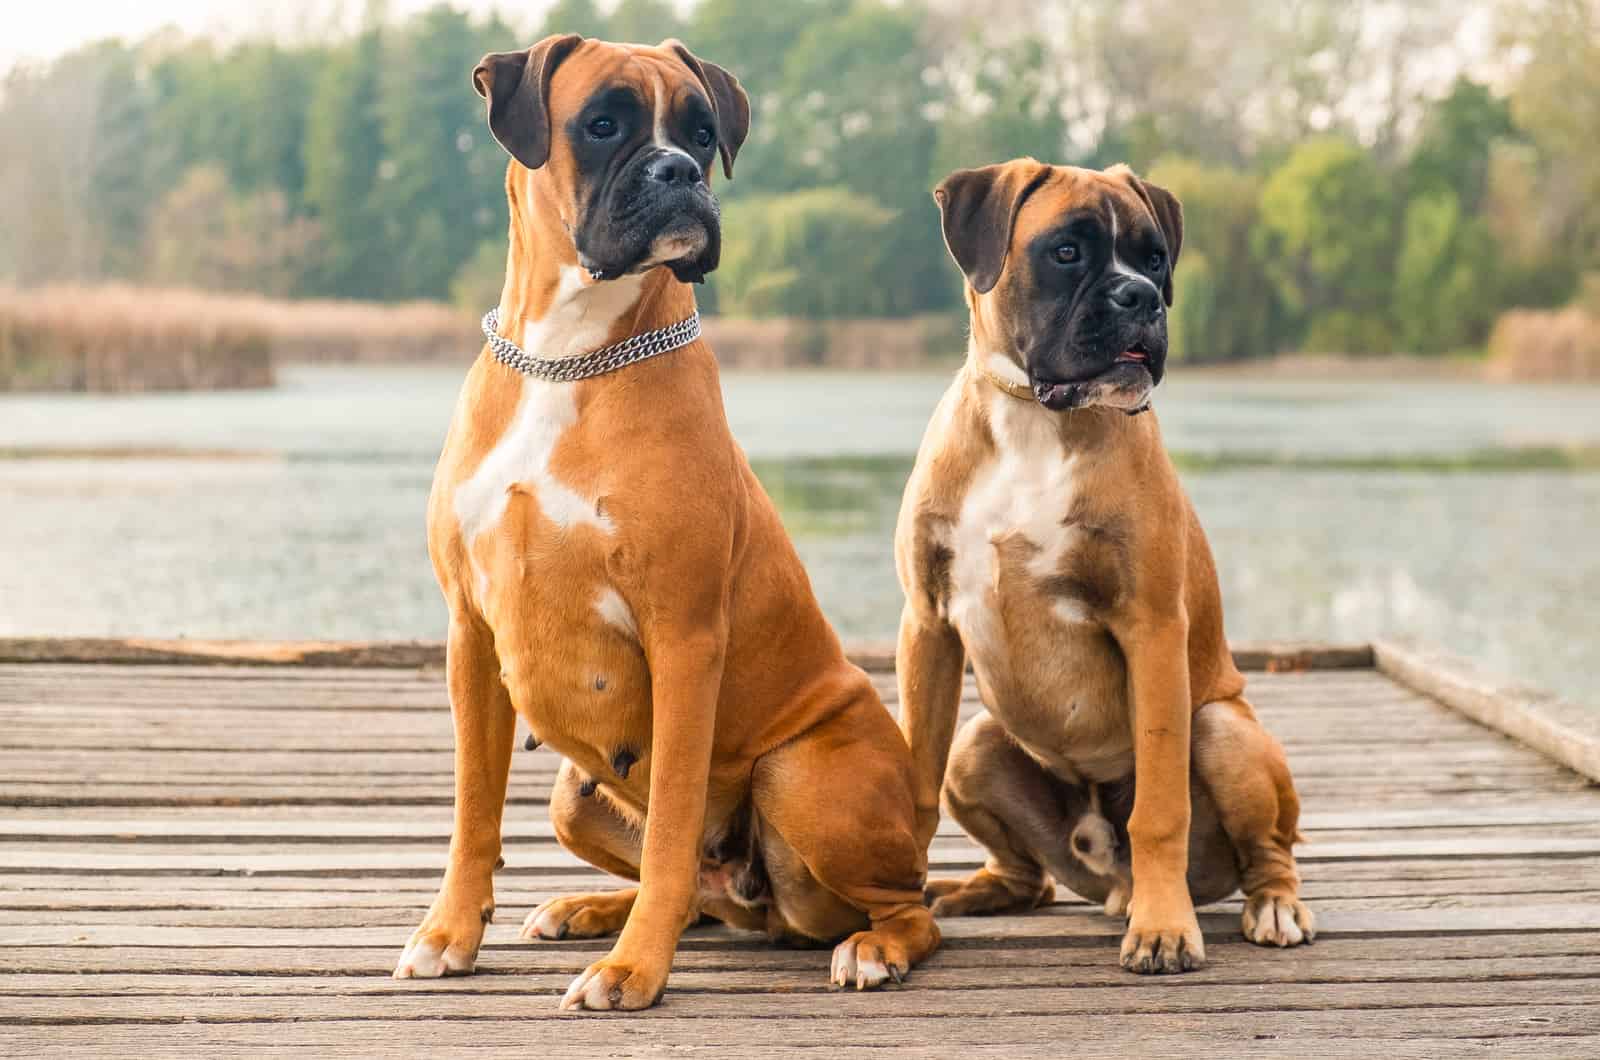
(869, 959)
(615, 983)
(1164, 942)
(446, 943)
(1278, 920)
(579, 916)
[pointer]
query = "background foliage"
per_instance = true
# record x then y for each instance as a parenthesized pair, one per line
(1350, 186)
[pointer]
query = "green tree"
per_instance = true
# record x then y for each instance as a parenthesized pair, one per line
(1225, 306)
(1444, 278)
(644, 22)
(1001, 102)
(773, 246)
(1555, 101)
(203, 234)
(1458, 136)
(440, 182)
(582, 17)
(753, 41)
(1327, 224)
(76, 176)
(343, 155)
(854, 115)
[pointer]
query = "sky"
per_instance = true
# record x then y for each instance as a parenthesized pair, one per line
(43, 29)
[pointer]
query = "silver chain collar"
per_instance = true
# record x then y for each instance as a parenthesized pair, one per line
(606, 359)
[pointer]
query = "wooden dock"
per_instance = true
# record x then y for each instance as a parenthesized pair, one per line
(221, 850)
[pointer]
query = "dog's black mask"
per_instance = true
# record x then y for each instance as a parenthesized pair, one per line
(1100, 314)
(648, 197)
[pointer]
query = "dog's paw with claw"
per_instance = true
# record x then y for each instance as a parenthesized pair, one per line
(1278, 920)
(615, 984)
(868, 959)
(579, 916)
(435, 950)
(1156, 946)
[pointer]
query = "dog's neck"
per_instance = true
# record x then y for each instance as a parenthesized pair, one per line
(997, 380)
(552, 308)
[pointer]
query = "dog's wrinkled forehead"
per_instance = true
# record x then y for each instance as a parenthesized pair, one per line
(602, 76)
(648, 95)
(1086, 202)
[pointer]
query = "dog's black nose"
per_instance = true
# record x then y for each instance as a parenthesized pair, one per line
(1136, 295)
(674, 169)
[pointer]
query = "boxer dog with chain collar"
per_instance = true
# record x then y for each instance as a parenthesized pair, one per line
(616, 576)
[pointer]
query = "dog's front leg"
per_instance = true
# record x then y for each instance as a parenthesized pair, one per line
(447, 941)
(1163, 932)
(685, 679)
(929, 665)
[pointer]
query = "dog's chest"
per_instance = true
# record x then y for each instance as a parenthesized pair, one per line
(1009, 541)
(536, 547)
(1028, 588)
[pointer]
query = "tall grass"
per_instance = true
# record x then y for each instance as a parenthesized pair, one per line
(1536, 345)
(124, 338)
(119, 338)
(878, 344)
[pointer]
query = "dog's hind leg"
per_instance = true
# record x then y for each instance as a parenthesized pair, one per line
(590, 826)
(1244, 771)
(838, 831)
(1005, 801)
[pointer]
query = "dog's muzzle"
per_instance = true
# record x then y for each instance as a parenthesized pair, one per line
(659, 211)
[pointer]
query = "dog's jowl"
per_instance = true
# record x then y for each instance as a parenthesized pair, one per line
(1044, 537)
(617, 578)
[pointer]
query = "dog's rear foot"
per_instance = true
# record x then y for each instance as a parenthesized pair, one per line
(1278, 920)
(984, 893)
(580, 916)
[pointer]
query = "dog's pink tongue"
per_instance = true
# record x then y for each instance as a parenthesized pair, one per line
(1136, 356)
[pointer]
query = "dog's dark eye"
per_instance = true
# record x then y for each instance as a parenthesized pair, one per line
(705, 136)
(602, 128)
(1067, 253)
(1157, 260)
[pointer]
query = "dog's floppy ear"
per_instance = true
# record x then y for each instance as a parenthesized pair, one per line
(1168, 212)
(728, 101)
(978, 208)
(517, 86)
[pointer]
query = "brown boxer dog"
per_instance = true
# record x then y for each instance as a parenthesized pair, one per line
(1044, 535)
(616, 577)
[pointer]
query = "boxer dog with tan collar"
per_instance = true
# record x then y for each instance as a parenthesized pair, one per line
(616, 577)
(1045, 537)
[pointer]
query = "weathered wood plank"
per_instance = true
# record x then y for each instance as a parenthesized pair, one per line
(1289, 656)
(1063, 922)
(1544, 1030)
(1011, 941)
(1565, 731)
(1184, 995)
(227, 858)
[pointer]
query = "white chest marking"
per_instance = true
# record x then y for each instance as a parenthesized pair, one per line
(522, 457)
(580, 317)
(1025, 490)
(614, 611)
(579, 320)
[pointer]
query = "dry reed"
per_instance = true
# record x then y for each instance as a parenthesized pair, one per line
(1536, 345)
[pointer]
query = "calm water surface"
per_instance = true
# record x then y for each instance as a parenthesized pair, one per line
(1340, 511)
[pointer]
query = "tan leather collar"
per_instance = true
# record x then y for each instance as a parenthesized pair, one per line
(1024, 393)
(1016, 390)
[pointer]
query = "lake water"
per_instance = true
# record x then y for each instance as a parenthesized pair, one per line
(1454, 512)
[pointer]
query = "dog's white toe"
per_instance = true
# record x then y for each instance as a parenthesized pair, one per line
(425, 960)
(1275, 920)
